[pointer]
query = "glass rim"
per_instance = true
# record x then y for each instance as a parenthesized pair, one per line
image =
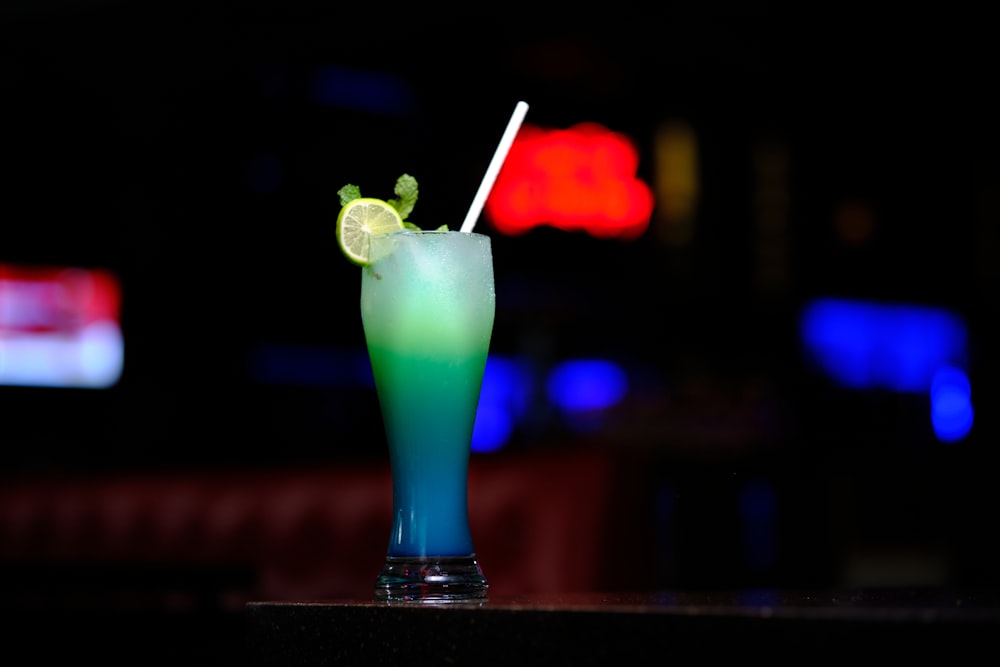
(427, 232)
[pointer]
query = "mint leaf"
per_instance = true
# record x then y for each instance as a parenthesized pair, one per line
(406, 198)
(348, 193)
(406, 191)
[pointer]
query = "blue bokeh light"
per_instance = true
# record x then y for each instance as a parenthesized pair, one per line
(951, 404)
(903, 348)
(586, 384)
(503, 401)
(864, 345)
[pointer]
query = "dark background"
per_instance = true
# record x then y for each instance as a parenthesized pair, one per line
(132, 139)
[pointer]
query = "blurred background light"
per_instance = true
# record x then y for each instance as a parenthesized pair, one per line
(951, 404)
(678, 184)
(903, 348)
(361, 90)
(310, 366)
(758, 504)
(578, 179)
(503, 402)
(867, 345)
(586, 384)
(60, 326)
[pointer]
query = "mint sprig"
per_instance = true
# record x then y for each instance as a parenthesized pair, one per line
(406, 192)
(348, 193)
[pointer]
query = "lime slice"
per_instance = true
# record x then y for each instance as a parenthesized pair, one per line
(361, 219)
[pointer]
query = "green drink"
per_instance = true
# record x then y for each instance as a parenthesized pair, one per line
(427, 303)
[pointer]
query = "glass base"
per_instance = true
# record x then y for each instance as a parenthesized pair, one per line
(430, 579)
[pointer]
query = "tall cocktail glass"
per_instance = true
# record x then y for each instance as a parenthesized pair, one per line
(427, 304)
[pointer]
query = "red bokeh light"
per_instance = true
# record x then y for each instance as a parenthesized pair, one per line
(578, 179)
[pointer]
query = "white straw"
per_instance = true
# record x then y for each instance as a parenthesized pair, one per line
(491, 172)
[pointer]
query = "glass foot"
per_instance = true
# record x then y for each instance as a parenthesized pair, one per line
(430, 579)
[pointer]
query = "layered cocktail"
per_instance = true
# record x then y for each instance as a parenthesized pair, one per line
(427, 303)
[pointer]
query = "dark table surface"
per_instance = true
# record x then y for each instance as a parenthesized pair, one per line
(624, 628)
